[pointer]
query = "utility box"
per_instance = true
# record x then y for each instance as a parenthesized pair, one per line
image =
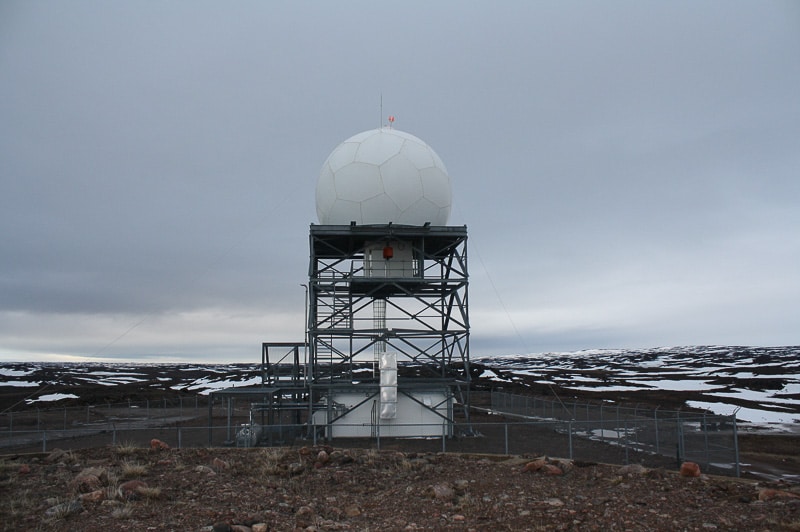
(390, 259)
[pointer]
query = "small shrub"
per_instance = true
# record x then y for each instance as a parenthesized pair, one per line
(133, 469)
(20, 504)
(123, 512)
(150, 493)
(126, 448)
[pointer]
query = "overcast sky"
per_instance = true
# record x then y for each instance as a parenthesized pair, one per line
(629, 172)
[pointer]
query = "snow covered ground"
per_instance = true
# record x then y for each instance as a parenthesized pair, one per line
(760, 384)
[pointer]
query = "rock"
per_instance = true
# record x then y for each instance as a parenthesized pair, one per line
(535, 465)
(322, 457)
(241, 528)
(56, 455)
(765, 494)
(84, 483)
(259, 527)
(553, 502)
(304, 516)
(516, 461)
(221, 527)
(24, 469)
(93, 496)
(632, 470)
(690, 469)
(130, 490)
(219, 465)
(552, 470)
(565, 465)
(461, 484)
(442, 492)
(59, 511)
(205, 469)
(295, 468)
(100, 472)
(352, 511)
(157, 445)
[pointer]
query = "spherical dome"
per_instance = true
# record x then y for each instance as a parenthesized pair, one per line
(382, 176)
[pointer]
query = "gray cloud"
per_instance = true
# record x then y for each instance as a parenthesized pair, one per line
(628, 172)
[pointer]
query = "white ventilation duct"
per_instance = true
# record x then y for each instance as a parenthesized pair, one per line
(388, 385)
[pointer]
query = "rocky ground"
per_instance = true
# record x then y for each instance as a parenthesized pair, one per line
(99, 486)
(323, 488)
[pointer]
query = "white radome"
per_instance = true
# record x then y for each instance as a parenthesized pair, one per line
(382, 176)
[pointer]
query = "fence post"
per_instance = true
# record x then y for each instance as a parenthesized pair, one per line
(705, 440)
(627, 460)
(570, 440)
(229, 419)
(602, 425)
(113, 434)
(210, 419)
(505, 431)
(44, 441)
(736, 442)
(179, 437)
(655, 418)
(444, 431)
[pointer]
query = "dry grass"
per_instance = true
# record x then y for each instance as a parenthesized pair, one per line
(132, 469)
(22, 503)
(126, 448)
(268, 462)
(123, 512)
(150, 493)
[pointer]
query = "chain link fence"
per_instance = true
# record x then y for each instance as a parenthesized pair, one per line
(506, 424)
(642, 435)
